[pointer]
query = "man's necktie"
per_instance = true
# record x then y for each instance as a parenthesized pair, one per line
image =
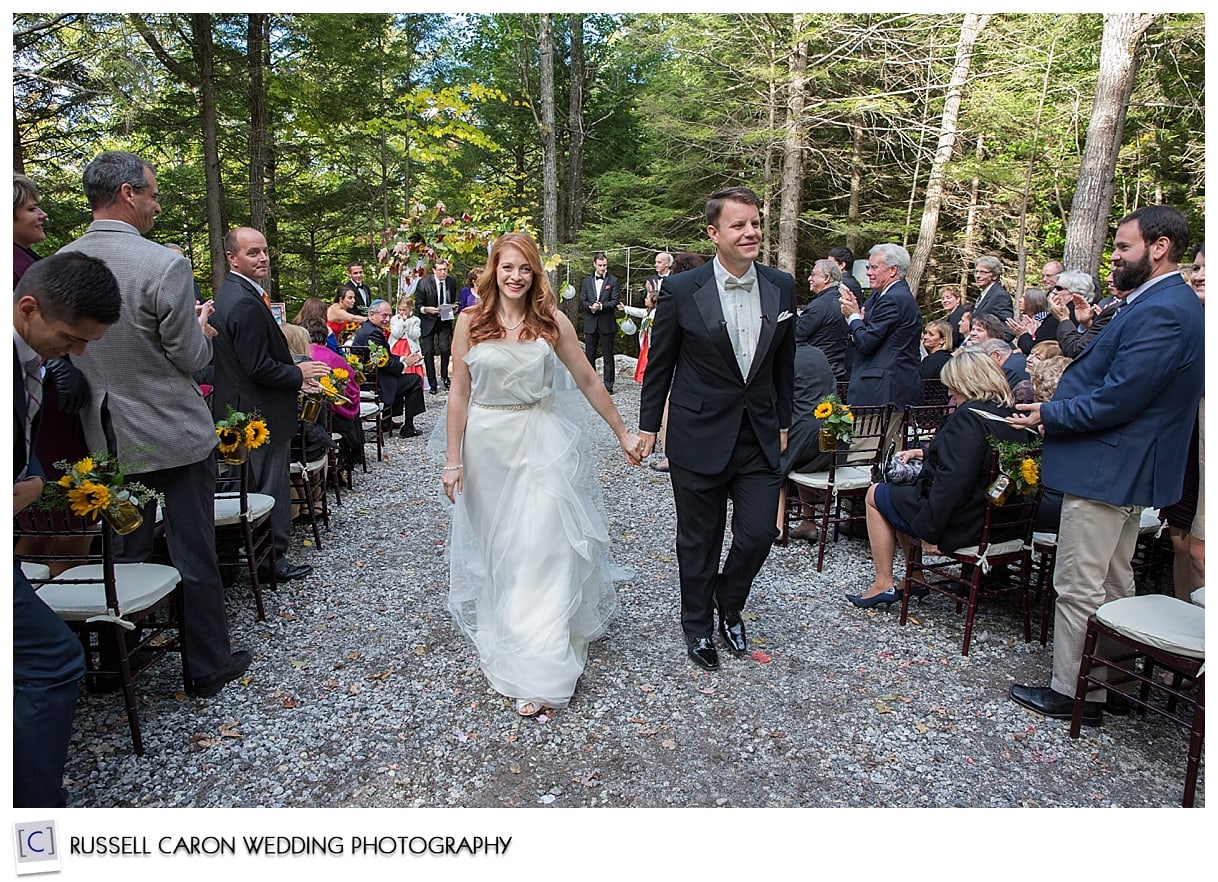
(33, 395)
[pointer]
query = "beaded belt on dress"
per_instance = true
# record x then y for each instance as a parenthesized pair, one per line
(505, 406)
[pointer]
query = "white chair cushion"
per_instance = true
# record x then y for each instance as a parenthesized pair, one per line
(139, 586)
(849, 478)
(368, 408)
(1198, 596)
(1158, 620)
(35, 571)
(315, 465)
(228, 508)
(1044, 539)
(1149, 522)
(367, 394)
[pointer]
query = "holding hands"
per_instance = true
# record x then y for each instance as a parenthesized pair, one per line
(633, 446)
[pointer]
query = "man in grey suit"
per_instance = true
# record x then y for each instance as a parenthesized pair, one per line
(992, 298)
(145, 406)
(256, 371)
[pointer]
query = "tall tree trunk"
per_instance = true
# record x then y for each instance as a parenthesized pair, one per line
(970, 221)
(970, 30)
(205, 59)
(854, 241)
(767, 187)
(1034, 154)
(575, 123)
(259, 132)
(793, 152)
(1087, 230)
(549, 217)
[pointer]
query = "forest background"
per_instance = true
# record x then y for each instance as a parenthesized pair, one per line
(341, 135)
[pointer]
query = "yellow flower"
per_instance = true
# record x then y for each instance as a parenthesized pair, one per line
(256, 434)
(89, 499)
(230, 439)
(327, 384)
(66, 480)
(353, 360)
(382, 361)
(84, 466)
(1030, 472)
(823, 410)
(341, 375)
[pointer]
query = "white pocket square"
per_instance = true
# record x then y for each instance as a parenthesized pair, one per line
(783, 316)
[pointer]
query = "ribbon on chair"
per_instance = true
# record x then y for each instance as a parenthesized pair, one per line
(109, 616)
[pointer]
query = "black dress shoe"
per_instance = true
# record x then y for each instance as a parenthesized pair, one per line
(703, 654)
(1053, 704)
(285, 571)
(733, 634)
(609, 389)
(205, 687)
(448, 384)
(409, 432)
(1116, 704)
(431, 391)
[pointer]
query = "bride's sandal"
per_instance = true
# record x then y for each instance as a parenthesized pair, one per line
(527, 708)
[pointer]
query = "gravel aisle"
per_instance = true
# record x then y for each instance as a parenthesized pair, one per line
(363, 693)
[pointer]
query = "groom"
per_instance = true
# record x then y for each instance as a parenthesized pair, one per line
(723, 355)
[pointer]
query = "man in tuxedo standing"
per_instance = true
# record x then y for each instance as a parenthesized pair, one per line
(61, 304)
(723, 354)
(146, 407)
(1106, 447)
(355, 282)
(599, 296)
(436, 300)
(992, 299)
(886, 342)
(256, 371)
(663, 270)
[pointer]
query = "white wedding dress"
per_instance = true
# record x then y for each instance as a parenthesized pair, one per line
(531, 583)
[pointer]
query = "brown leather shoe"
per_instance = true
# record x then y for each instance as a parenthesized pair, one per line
(806, 530)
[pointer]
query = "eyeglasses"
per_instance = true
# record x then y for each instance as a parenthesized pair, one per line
(1060, 288)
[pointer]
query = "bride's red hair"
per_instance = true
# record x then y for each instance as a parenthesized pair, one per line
(540, 304)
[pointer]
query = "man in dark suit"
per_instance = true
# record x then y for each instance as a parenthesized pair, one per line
(723, 354)
(146, 407)
(993, 299)
(436, 300)
(599, 296)
(821, 323)
(401, 393)
(61, 304)
(844, 258)
(1106, 447)
(886, 341)
(355, 283)
(255, 371)
(663, 271)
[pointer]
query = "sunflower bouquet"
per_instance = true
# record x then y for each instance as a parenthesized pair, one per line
(333, 385)
(241, 431)
(837, 419)
(97, 486)
(378, 355)
(1019, 465)
(357, 365)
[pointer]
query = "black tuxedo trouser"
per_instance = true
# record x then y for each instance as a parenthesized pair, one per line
(190, 536)
(48, 664)
(605, 341)
(440, 338)
(752, 484)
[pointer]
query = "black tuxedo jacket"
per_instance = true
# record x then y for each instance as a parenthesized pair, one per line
(385, 377)
(254, 368)
(427, 294)
(363, 297)
(996, 302)
(691, 363)
(605, 320)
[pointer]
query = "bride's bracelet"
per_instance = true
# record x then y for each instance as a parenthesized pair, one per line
(455, 468)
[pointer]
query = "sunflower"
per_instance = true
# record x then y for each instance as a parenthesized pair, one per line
(89, 499)
(354, 361)
(1030, 472)
(230, 439)
(382, 361)
(256, 434)
(823, 410)
(84, 466)
(327, 384)
(66, 480)
(341, 375)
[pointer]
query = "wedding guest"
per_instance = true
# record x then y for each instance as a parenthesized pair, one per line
(404, 331)
(955, 307)
(28, 220)
(341, 314)
(945, 505)
(937, 340)
(1036, 322)
(315, 307)
(344, 418)
(468, 295)
(401, 392)
(645, 315)
(814, 381)
(530, 582)
(683, 262)
(821, 323)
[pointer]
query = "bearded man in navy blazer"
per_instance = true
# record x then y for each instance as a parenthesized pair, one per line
(886, 340)
(1109, 444)
(723, 355)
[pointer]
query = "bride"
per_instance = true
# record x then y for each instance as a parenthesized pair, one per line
(530, 578)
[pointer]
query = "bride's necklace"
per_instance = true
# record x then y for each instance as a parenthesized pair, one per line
(508, 327)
